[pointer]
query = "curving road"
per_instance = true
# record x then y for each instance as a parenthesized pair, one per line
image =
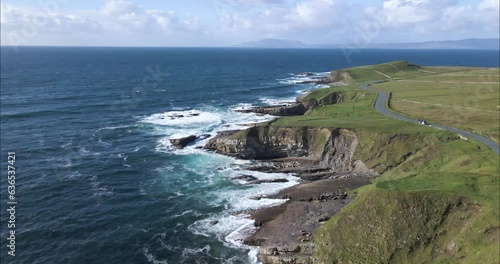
(380, 107)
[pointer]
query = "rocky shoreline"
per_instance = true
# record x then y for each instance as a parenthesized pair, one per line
(324, 160)
(285, 232)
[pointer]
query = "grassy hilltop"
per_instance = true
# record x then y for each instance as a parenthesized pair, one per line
(440, 204)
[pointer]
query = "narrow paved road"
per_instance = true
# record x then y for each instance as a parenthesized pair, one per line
(380, 107)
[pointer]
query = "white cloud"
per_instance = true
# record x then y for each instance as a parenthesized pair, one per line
(117, 18)
(304, 17)
(231, 21)
(245, 4)
(427, 17)
(404, 13)
(315, 13)
(489, 5)
(489, 13)
(120, 7)
(458, 18)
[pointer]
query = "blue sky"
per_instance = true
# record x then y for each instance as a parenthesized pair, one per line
(229, 22)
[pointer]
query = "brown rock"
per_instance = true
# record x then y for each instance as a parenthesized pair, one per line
(248, 178)
(184, 141)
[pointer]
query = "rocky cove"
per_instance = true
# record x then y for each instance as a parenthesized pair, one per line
(324, 158)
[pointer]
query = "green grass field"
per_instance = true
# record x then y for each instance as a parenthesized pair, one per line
(468, 99)
(354, 111)
(440, 202)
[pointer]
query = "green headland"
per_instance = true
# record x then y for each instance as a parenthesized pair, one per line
(435, 197)
(441, 205)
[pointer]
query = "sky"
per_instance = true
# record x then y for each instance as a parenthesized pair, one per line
(195, 23)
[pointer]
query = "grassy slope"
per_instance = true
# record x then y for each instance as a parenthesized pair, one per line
(437, 205)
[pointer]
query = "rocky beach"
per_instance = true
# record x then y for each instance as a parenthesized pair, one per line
(324, 160)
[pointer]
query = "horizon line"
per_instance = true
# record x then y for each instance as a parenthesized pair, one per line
(352, 46)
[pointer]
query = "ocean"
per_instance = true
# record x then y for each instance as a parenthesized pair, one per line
(97, 180)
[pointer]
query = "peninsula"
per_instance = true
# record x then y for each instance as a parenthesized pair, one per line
(399, 165)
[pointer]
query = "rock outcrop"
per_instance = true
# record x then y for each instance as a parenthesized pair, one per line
(184, 141)
(279, 110)
(329, 148)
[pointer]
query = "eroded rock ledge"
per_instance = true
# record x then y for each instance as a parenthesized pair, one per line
(290, 109)
(292, 149)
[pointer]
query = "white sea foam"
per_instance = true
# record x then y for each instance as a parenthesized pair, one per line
(233, 224)
(276, 101)
(194, 251)
(177, 124)
(185, 213)
(253, 255)
(142, 189)
(299, 79)
(102, 132)
(321, 86)
(232, 230)
(99, 189)
(310, 88)
(183, 118)
(303, 91)
(152, 258)
(241, 106)
(112, 128)
(244, 200)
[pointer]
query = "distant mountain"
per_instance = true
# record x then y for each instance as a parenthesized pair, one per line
(445, 44)
(274, 43)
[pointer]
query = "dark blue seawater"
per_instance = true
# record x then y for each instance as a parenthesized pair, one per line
(97, 180)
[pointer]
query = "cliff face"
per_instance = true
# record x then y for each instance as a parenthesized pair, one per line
(330, 148)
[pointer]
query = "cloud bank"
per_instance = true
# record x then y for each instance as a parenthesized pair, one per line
(227, 22)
